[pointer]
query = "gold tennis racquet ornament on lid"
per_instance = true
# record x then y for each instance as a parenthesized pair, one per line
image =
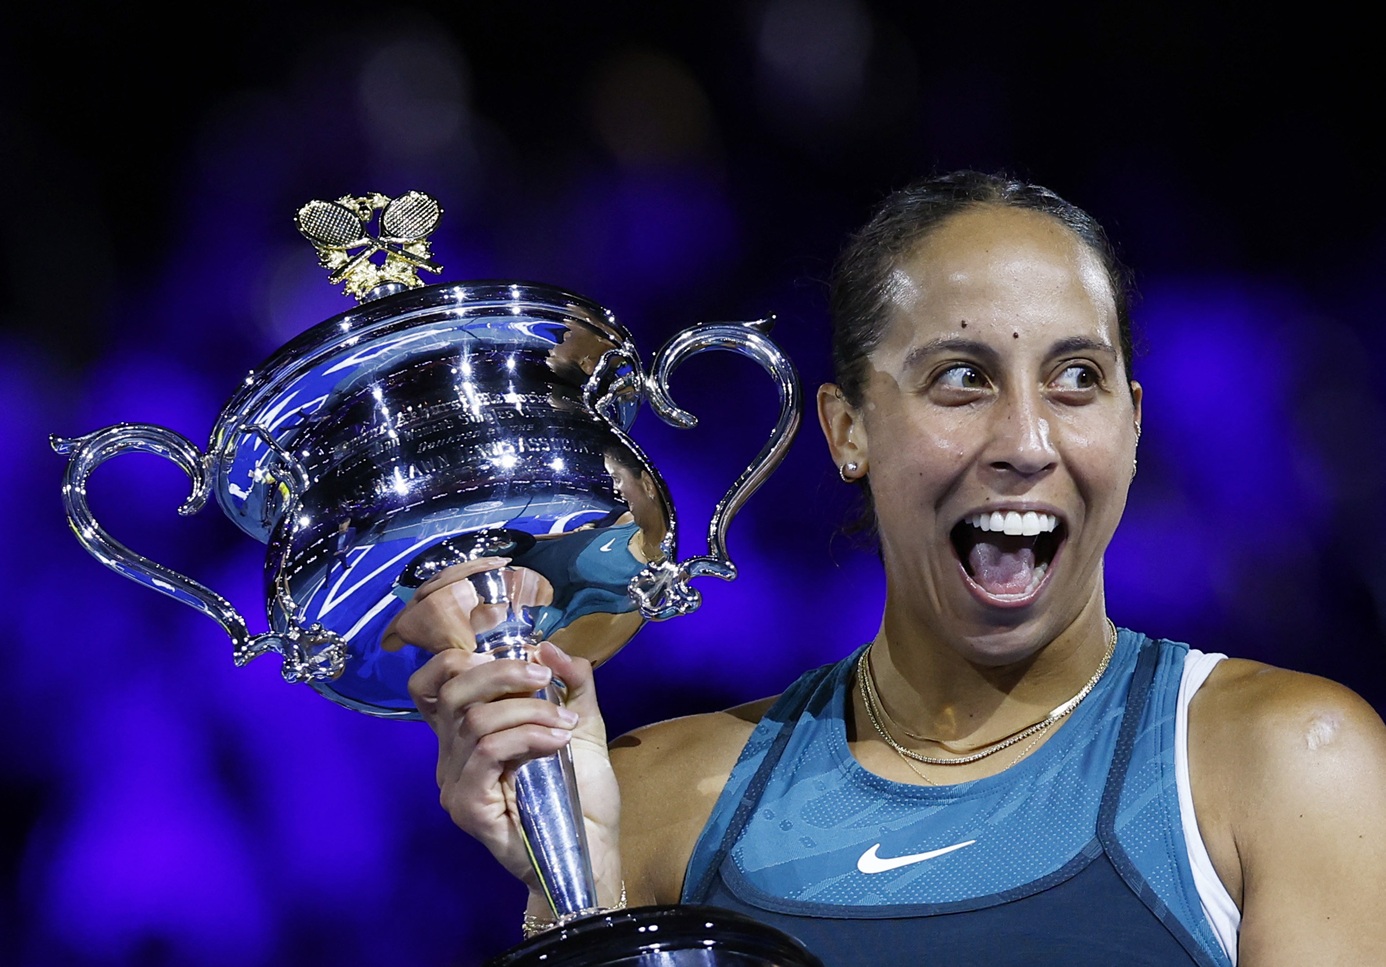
(342, 233)
(430, 426)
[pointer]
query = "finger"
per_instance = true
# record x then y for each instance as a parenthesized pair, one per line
(428, 679)
(576, 674)
(448, 683)
(458, 572)
(484, 719)
(532, 588)
(495, 754)
(504, 678)
(439, 622)
(470, 784)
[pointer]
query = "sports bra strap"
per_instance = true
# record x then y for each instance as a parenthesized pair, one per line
(1136, 700)
(751, 798)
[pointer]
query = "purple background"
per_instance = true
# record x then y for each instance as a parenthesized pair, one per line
(164, 808)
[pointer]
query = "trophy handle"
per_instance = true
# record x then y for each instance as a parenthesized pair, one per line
(662, 589)
(307, 652)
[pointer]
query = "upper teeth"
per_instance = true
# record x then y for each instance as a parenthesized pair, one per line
(1027, 524)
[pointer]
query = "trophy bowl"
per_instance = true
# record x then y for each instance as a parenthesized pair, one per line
(427, 428)
(432, 426)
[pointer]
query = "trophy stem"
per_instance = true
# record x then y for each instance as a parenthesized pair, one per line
(546, 798)
(551, 821)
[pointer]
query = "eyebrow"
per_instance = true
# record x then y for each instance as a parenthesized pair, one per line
(948, 344)
(957, 344)
(1079, 344)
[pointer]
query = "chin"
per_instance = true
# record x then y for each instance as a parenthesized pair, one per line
(999, 647)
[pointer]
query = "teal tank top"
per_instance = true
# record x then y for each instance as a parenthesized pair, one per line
(1073, 856)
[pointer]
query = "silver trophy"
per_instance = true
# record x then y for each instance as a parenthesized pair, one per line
(427, 427)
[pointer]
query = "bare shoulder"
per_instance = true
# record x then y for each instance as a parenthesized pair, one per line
(1289, 782)
(663, 767)
(1270, 715)
(671, 774)
(1282, 735)
(693, 733)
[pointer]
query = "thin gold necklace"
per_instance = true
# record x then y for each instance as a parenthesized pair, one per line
(871, 701)
(1030, 747)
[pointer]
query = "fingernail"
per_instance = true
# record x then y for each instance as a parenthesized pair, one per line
(562, 734)
(567, 717)
(539, 674)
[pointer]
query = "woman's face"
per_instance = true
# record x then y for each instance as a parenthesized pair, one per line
(998, 426)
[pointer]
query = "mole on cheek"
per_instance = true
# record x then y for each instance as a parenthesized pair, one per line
(1015, 335)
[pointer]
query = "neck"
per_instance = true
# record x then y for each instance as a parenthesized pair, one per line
(979, 689)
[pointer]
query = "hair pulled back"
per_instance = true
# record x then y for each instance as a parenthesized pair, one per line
(860, 289)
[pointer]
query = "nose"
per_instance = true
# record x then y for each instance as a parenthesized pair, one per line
(1020, 442)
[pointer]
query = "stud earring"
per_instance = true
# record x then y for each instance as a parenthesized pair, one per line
(850, 467)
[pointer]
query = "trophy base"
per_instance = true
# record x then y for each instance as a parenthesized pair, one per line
(660, 936)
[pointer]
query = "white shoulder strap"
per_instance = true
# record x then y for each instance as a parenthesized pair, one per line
(1222, 913)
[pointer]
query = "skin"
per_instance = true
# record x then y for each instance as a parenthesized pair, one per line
(1027, 406)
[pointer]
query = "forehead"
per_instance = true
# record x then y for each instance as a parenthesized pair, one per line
(1002, 271)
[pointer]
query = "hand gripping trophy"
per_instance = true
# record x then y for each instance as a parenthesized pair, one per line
(433, 425)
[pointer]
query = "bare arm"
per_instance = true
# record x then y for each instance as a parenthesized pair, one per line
(1289, 777)
(670, 776)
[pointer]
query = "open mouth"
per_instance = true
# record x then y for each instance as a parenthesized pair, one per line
(1007, 553)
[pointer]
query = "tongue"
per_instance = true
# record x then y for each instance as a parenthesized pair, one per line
(1000, 570)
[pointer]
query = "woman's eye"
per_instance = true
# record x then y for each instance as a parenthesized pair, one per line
(961, 378)
(1077, 377)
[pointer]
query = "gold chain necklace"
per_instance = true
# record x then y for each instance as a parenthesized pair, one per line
(1030, 747)
(871, 701)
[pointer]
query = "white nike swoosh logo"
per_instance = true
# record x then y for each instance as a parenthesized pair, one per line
(607, 545)
(871, 863)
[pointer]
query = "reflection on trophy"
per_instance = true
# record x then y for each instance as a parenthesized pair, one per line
(435, 425)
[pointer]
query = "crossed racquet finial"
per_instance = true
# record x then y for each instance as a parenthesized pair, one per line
(341, 232)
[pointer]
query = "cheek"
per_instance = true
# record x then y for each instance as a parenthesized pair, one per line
(915, 464)
(934, 432)
(915, 447)
(1100, 465)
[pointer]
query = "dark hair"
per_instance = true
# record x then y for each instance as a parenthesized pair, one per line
(860, 288)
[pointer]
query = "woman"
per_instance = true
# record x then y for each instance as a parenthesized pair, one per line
(999, 776)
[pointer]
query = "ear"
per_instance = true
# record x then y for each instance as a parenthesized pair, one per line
(843, 428)
(648, 485)
(1136, 394)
